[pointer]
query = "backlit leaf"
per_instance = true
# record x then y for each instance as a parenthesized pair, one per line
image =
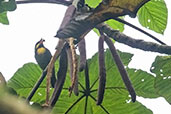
(153, 15)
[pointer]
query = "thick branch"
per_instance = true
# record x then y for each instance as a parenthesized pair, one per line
(116, 35)
(63, 2)
(134, 43)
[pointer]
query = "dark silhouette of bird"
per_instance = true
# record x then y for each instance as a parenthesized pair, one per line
(43, 57)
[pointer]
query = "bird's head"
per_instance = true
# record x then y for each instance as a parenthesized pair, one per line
(39, 44)
(39, 47)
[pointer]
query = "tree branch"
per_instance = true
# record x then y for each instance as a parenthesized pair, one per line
(134, 43)
(116, 35)
(62, 2)
(36, 86)
(137, 28)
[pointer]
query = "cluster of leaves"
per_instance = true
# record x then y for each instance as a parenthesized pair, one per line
(153, 15)
(4, 7)
(116, 99)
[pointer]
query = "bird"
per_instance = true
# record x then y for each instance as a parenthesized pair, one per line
(43, 57)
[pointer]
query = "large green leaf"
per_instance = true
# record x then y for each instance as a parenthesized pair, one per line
(4, 18)
(161, 68)
(24, 79)
(143, 82)
(116, 98)
(153, 15)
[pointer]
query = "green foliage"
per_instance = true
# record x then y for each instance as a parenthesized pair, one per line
(96, 31)
(161, 68)
(116, 98)
(24, 80)
(4, 18)
(93, 3)
(10, 104)
(4, 7)
(114, 78)
(153, 15)
(7, 6)
(115, 25)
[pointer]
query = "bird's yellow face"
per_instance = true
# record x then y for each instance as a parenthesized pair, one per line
(40, 49)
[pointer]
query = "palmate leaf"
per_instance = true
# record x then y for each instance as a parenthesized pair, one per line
(161, 68)
(24, 80)
(139, 78)
(153, 15)
(116, 98)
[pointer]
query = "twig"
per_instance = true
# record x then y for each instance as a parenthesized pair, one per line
(36, 86)
(134, 43)
(63, 2)
(48, 80)
(69, 55)
(50, 67)
(74, 63)
(137, 28)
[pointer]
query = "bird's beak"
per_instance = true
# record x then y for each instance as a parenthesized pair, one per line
(41, 41)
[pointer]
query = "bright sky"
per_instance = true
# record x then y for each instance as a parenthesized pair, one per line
(30, 22)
